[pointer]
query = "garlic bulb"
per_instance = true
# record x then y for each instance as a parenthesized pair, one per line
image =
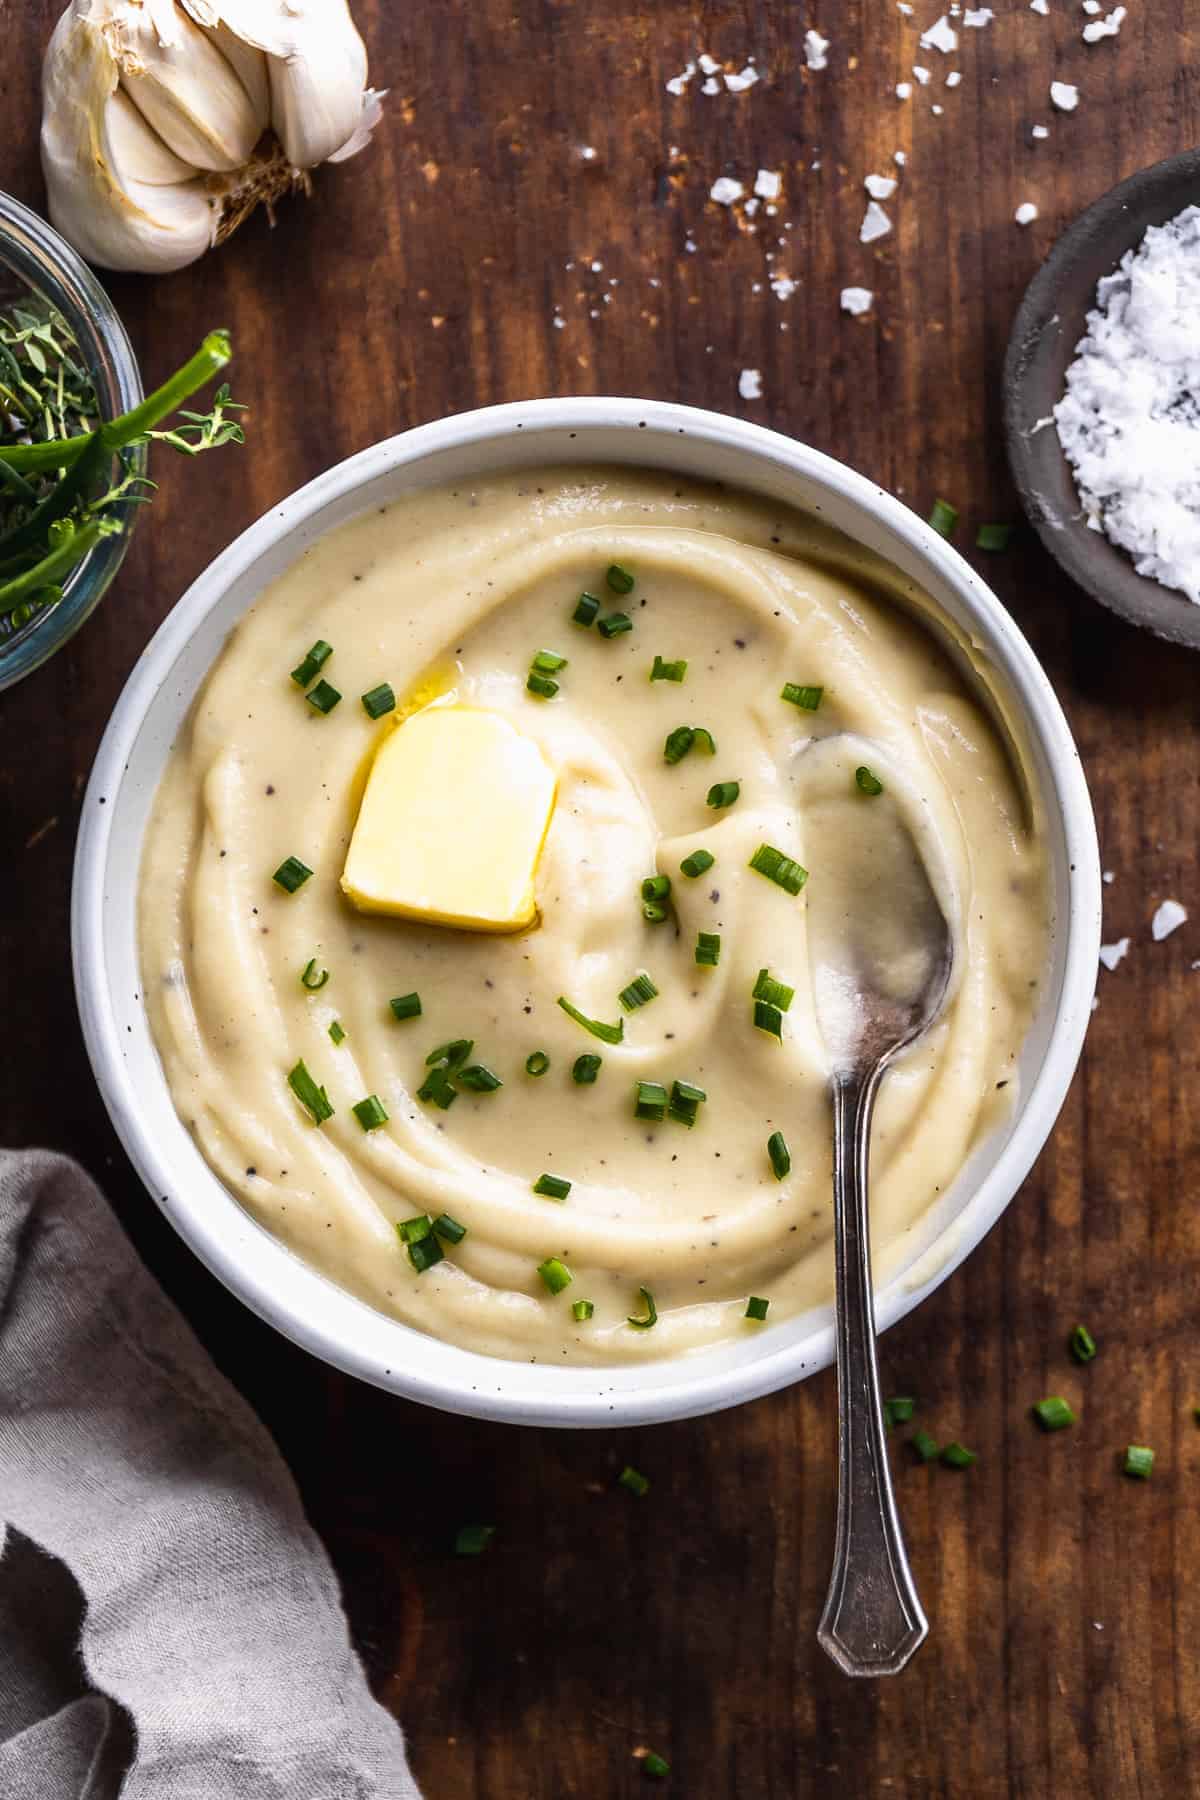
(165, 122)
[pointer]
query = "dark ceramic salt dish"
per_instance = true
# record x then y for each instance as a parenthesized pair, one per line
(1049, 324)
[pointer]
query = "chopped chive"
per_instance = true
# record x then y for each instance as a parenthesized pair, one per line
(808, 699)
(654, 912)
(650, 1100)
(782, 870)
(769, 1019)
(291, 874)
(552, 1187)
(686, 1099)
(900, 1410)
(548, 662)
(756, 1308)
(957, 1456)
(406, 1006)
(555, 1274)
(313, 663)
(924, 1448)
(438, 1087)
(667, 671)
(586, 608)
(705, 740)
(780, 1155)
(336, 1032)
(651, 1318)
(370, 1113)
(656, 887)
(425, 1253)
(537, 1062)
(708, 949)
(655, 1766)
(619, 579)
(613, 624)
(634, 1480)
(944, 517)
(865, 782)
(582, 1310)
(585, 1069)
(776, 993)
(697, 863)
(678, 743)
(309, 979)
(640, 992)
(1053, 1413)
(312, 1098)
(323, 697)
(1139, 1461)
(379, 700)
(541, 685)
(1082, 1344)
(479, 1079)
(723, 793)
(608, 1034)
(413, 1230)
(993, 537)
(453, 1054)
(449, 1228)
(473, 1540)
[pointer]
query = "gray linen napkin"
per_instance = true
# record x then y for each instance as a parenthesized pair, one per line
(144, 1499)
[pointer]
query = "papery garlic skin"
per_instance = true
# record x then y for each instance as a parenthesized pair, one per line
(158, 118)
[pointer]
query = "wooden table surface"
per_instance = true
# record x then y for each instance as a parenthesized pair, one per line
(533, 218)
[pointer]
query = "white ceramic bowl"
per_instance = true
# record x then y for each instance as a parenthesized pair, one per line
(303, 1304)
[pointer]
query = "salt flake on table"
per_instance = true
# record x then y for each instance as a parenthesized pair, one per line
(876, 223)
(899, 158)
(1040, 131)
(782, 286)
(768, 184)
(922, 75)
(750, 384)
(815, 47)
(856, 300)
(940, 36)
(1064, 95)
(745, 78)
(953, 78)
(976, 17)
(711, 86)
(1112, 954)
(708, 64)
(1092, 6)
(1104, 28)
(904, 90)
(725, 190)
(679, 82)
(937, 111)
(1026, 213)
(880, 187)
(1039, 6)
(1168, 918)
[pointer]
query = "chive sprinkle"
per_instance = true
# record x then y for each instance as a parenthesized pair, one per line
(1053, 1413)
(685, 1102)
(585, 1069)
(678, 743)
(473, 1540)
(541, 685)
(425, 1253)
(1139, 1461)
(640, 992)
(323, 697)
(613, 624)
(923, 1447)
(313, 663)
(379, 700)
(723, 793)
(453, 1054)
(865, 782)
(776, 993)
(635, 1481)
(555, 1274)
(651, 1318)
(413, 1230)
(552, 1187)
(314, 1099)
(406, 1006)
(1082, 1344)
(705, 740)
(656, 887)
(309, 977)
(582, 1310)
(291, 874)
(756, 1308)
(900, 1410)
(449, 1228)
(608, 1034)
(697, 863)
(654, 912)
(708, 949)
(780, 1155)
(650, 1100)
(944, 517)
(993, 537)
(655, 1766)
(548, 662)
(957, 1456)
(537, 1062)
(808, 699)
(769, 1019)
(479, 1079)
(337, 1033)
(370, 1113)
(667, 671)
(781, 869)
(438, 1087)
(586, 608)
(619, 579)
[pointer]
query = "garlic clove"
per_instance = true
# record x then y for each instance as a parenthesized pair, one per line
(137, 153)
(317, 89)
(249, 65)
(372, 112)
(185, 89)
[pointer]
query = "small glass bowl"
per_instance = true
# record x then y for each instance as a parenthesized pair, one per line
(35, 261)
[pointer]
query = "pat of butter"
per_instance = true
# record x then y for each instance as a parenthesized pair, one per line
(456, 810)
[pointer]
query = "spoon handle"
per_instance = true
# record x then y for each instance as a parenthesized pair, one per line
(872, 1620)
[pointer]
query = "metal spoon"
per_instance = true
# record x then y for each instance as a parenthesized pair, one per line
(881, 997)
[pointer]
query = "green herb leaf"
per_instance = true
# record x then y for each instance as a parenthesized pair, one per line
(370, 1113)
(614, 624)
(1139, 1461)
(1053, 1413)
(756, 1308)
(723, 793)
(667, 671)
(536, 1063)
(310, 978)
(994, 537)
(586, 608)
(555, 1274)
(697, 863)
(585, 1069)
(619, 579)
(323, 697)
(1082, 1344)
(552, 1187)
(866, 782)
(780, 1155)
(636, 1482)
(291, 874)
(808, 699)
(708, 949)
(781, 869)
(379, 700)
(582, 1311)
(313, 1098)
(944, 517)
(608, 1034)
(313, 663)
(473, 1540)
(640, 992)
(406, 1006)
(651, 1318)
(650, 1100)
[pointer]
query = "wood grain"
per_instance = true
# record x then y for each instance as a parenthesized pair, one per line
(426, 278)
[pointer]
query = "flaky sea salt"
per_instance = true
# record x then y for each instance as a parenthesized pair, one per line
(880, 187)
(899, 158)
(1040, 131)
(679, 82)
(743, 79)
(708, 64)
(1168, 918)
(1111, 954)
(922, 75)
(750, 384)
(1104, 28)
(768, 184)
(953, 78)
(976, 17)
(904, 90)
(1064, 96)
(725, 190)
(782, 286)
(940, 36)
(856, 300)
(815, 48)
(1039, 6)
(876, 223)
(1129, 421)
(1026, 213)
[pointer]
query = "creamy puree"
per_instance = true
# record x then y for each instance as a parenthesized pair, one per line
(448, 594)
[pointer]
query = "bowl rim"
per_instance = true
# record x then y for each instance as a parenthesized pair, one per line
(677, 1393)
